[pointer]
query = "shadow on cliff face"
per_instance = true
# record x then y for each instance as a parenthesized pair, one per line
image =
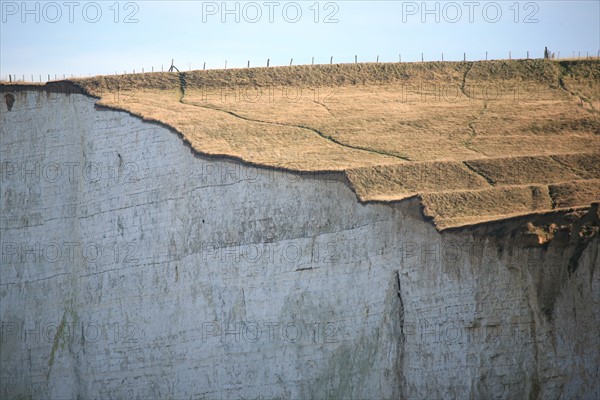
(551, 247)
(560, 254)
(10, 100)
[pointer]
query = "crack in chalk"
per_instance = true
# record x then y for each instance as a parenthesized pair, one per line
(35, 280)
(534, 390)
(55, 343)
(402, 339)
(401, 305)
(183, 196)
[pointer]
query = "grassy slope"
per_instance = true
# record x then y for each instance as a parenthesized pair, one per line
(475, 141)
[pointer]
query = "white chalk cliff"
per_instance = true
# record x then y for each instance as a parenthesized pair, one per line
(134, 268)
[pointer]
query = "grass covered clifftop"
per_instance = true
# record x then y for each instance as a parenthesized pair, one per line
(475, 141)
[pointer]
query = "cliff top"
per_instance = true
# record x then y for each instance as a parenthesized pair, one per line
(475, 141)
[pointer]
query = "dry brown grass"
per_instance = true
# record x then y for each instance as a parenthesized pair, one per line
(475, 141)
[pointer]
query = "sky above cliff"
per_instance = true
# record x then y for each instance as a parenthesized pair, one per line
(105, 37)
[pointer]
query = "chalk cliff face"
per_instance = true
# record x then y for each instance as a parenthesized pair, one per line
(133, 268)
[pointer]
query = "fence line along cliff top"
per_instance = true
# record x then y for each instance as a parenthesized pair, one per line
(474, 141)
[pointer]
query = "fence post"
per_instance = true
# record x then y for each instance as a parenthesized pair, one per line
(399, 57)
(486, 56)
(377, 59)
(204, 66)
(422, 59)
(291, 61)
(162, 68)
(313, 61)
(331, 61)
(248, 63)
(225, 64)
(9, 78)
(48, 77)
(268, 62)
(355, 59)
(442, 56)
(528, 54)
(465, 57)
(509, 55)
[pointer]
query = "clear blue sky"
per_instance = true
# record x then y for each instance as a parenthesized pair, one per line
(85, 37)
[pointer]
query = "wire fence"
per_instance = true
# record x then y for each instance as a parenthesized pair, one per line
(42, 78)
